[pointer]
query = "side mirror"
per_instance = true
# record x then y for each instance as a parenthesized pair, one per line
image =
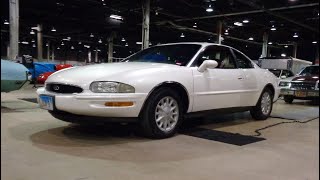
(283, 77)
(208, 64)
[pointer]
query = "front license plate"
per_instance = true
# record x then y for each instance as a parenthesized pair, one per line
(46, 102)
(301, 94)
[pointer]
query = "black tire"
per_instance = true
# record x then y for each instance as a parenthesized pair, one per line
(256, 111)
(148, 123)
(288, 99)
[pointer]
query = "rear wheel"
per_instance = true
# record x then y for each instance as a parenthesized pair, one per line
(264, 106)
(162, 114)
(288, 99)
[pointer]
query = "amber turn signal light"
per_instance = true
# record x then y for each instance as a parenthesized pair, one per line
(118, 104)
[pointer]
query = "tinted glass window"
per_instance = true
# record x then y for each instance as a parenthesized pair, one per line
(218, 53)
(310, 70)
(243, 61)
(179, 54)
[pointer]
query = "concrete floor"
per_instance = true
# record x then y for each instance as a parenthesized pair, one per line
(34, 145)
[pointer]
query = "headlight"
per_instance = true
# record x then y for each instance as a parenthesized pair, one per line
(283, 84)
(111, 87)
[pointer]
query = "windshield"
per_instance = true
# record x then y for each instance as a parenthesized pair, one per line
(276, 72)
(179, 54)
(310, 70)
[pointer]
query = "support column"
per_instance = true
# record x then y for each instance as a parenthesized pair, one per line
(219, 32)
(145, 24)
(89, 56)
(39, 42)
(48, 51)
(295, 48)
(110, 49)
(8, 51)
(265, 45)
(52, 55)
(96, 56)
(14, 29)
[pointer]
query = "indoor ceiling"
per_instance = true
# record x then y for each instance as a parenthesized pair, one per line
(79, 19)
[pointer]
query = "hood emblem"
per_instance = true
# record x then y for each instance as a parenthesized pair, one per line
(56, 87)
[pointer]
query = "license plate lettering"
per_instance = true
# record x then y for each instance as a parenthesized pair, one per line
(301, 94)
(46, 102)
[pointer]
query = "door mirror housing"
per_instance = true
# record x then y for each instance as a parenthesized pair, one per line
(208, 64)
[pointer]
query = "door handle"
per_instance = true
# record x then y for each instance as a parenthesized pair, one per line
(240, 78)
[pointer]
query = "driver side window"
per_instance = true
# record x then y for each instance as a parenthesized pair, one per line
(220, 54)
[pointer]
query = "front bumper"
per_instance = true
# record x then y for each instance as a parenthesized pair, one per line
(93, 104)
(300, 93)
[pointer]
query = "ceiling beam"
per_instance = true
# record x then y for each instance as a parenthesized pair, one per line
(249, 12)
(254, 5)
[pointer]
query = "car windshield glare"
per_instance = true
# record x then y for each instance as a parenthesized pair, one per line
(311, 70)
(178, 54)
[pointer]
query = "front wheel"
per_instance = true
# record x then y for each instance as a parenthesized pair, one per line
(264, 106)
(288, 99)
(162, 114)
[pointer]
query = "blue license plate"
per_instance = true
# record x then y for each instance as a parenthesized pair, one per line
(46, 102)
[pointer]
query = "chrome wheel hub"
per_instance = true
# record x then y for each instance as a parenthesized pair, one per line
(266, 103)
(167, 114)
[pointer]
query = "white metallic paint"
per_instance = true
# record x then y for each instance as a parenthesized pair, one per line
(212, 89)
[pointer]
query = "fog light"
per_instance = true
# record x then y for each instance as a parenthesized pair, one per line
(118, 104)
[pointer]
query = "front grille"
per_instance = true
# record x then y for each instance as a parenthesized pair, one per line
(303, 85)
(63, 88)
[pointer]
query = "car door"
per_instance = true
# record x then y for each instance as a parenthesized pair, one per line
(216, 88)
(250, 90)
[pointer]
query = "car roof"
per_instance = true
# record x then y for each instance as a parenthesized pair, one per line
(197, 43)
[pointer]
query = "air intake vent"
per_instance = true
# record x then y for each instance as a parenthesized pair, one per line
(63, 88)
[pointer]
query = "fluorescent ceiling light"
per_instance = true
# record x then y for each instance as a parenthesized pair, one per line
(34, 45)
(6, 22)
(58, 47)
(314, 42)
(238, 24)
(209, 9)
(286, 46)
(33, 40)
(32, 32)
(195, 25)
(91, 35)
(138, 42)
(80, 42)
(72, 47)
(283, 55)
(127, 44)
(53, 29)
(182, 35)
(123, 40)
(273, 28)
(246, 21)
(270, 43)
(250, 39)
(100, 41)
(113, 16)
(24, 42)
(295, 35)
(86, 46)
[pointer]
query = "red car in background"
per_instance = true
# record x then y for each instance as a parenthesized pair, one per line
(44, 76)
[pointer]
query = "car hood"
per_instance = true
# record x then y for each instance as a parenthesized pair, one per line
(306, 78)
(84, 75)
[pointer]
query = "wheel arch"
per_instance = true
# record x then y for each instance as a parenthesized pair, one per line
(174, 85)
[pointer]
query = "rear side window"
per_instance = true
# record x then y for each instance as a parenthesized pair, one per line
(220, 54)
(242, 61)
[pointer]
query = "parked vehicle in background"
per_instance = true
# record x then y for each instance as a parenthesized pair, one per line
(305, 85)
(293, 64)
(159, 86)
(13, 75)
(44, 76)
(282, 73)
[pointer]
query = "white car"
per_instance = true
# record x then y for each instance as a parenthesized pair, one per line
(158, 86)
